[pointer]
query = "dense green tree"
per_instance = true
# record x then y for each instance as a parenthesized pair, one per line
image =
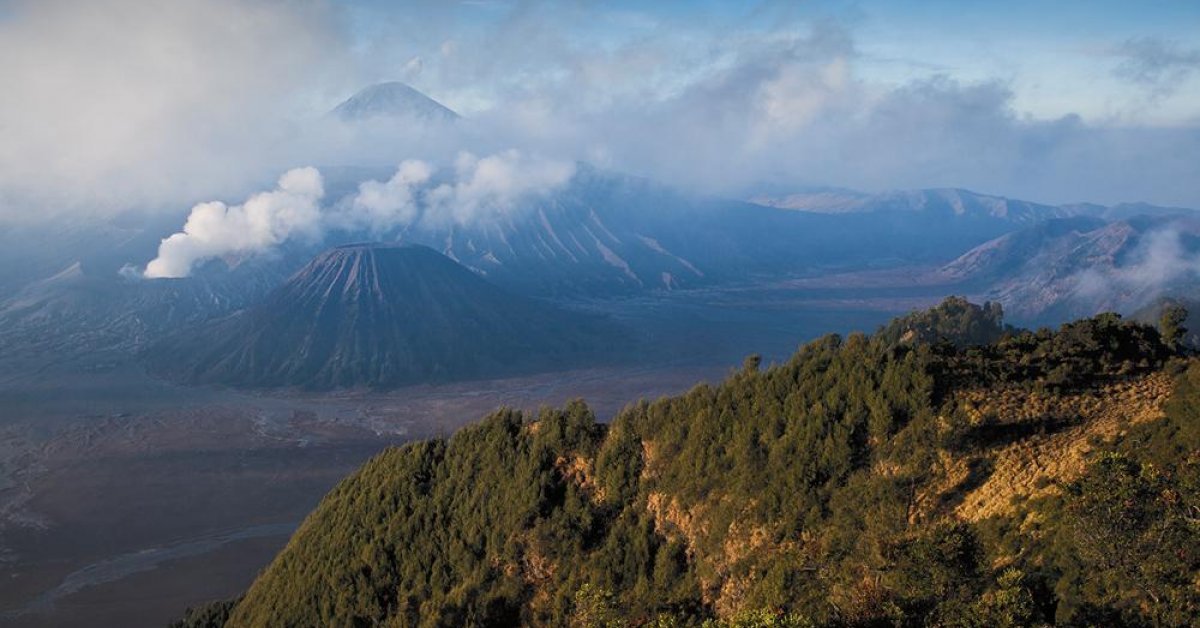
(1009, 605)
(1135, 544)
(955, 321)
(789, 495)
(211, 615)
(1171, 325)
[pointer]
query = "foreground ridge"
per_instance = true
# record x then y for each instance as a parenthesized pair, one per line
(946, 471)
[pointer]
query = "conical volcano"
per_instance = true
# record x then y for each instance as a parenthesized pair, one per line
(393, 100)
(373, 315)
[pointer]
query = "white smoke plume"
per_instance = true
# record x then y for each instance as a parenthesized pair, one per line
(491, 186)
(479, 189)
(265, 220)
(381, 205)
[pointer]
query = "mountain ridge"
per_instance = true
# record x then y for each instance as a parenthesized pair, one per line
(1082, 265)
(956, 201)
(848, 486)
(602, 235)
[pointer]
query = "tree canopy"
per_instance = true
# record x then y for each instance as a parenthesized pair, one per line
(807, 493)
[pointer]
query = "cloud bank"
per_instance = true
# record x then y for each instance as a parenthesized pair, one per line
(114, 104)
(789, 107)
(1161, 65)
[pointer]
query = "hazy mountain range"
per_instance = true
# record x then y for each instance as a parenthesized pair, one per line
(602, 234)
(1078, 266)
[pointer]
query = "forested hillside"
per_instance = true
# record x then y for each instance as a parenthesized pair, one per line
(946, 471)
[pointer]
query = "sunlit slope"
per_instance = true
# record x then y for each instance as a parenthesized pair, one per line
(909, 478)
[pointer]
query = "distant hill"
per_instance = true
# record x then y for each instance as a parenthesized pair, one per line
(605, 233)
(1124, 211)
(393, 100)
(946, 202)
(1011, 253)
(955, 202)
(1080, 266)
(1038, 479)
(370, 315)
(86, 311)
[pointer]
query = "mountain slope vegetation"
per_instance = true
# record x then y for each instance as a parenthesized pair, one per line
(848, 486)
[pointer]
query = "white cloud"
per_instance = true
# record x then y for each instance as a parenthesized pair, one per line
(116, 103)
(1158, 262)
(109, 104)
(783, 100)
(1163, 260)
(1157, 64)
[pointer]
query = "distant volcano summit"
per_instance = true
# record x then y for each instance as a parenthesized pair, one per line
(376, 315)
(393, 100)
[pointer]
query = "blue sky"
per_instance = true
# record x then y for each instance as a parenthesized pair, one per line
(1059, 58)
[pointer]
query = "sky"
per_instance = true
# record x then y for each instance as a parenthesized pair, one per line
(1060, 58)
(113, 105)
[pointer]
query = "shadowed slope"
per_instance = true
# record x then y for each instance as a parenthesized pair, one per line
(378, 315)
